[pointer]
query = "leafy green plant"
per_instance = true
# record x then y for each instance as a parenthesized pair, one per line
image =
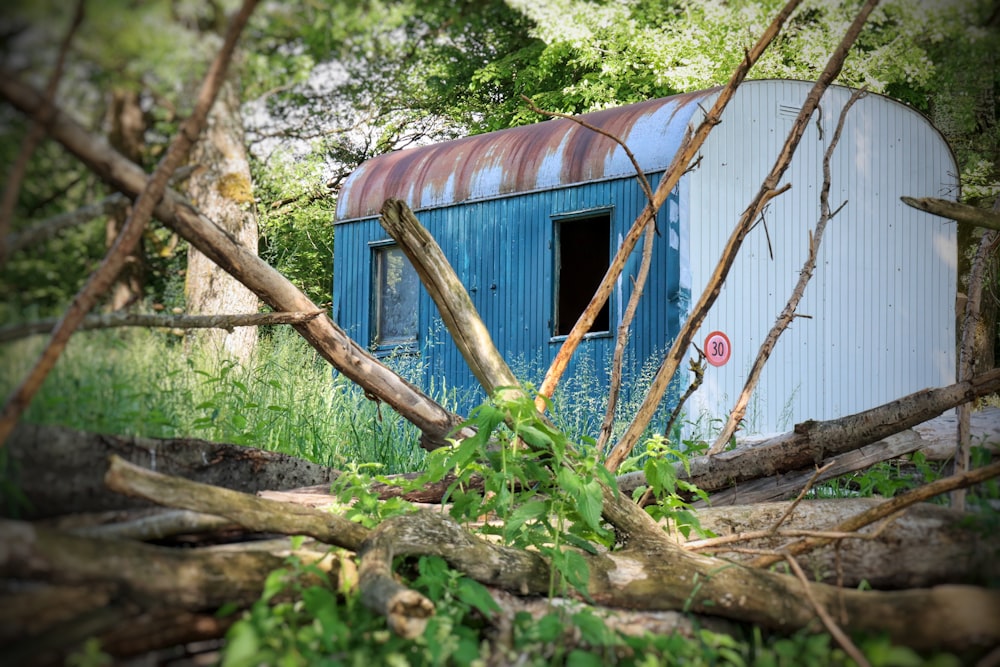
(659, 460)
(534, 478)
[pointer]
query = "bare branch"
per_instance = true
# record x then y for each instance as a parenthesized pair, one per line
(805, 275)
(685, 154)
(802, 494)
(831, 625)
(123, 319)
(972, 215)
(131, 231)
(48, 228)
(16, 176)
(768, 190)
(891, 506)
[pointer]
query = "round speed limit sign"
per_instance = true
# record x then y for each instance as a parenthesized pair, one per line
(717, 348)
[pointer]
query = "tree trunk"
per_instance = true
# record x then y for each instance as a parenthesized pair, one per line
(220, 186)
(127, 135)
(60, 470)
(927, 546)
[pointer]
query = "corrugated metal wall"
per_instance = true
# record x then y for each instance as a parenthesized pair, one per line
(882, 298)
(502, 252)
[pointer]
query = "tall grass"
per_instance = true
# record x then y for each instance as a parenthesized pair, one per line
(285, 398)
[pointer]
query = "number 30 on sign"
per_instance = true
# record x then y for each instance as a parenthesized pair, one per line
(717, 348)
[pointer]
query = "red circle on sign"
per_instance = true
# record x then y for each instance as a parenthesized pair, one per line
(717, 348)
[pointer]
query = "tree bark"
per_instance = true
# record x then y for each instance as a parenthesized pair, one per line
(811, 442)
(221, 188)
(973, 215)
(646, 575)
(61, 470)
(127, 136)
(928, 545)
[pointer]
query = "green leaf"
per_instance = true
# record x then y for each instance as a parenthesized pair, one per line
(534, 436)
(533, 509)
(573, 566)
(274, 584)
(242, 646)
(590, 502)
(475, 595)
(580, 658)
(594, 630)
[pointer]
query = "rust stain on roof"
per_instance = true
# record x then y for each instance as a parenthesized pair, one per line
(545, 155)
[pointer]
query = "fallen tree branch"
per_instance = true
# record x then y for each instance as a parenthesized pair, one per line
(891, 506)
(131, 232)
(972, 215)
(925, 545)
(647, 574)
(354, 361)
(124, 319)
(61, 470)
(812, 442)
(192, 579)
(257, 514)
(782, 485)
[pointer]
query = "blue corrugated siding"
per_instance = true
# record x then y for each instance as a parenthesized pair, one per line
(502, 252)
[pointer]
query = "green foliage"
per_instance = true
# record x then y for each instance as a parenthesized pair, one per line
(545, 488)
(295, 218)
(659, 460)
(138, 382)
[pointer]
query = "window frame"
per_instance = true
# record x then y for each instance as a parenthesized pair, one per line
(409, 344)
(606, 213)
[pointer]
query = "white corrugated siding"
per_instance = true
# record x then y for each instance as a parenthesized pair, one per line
(882, 297)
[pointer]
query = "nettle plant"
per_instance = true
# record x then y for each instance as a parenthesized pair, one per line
(520, 480)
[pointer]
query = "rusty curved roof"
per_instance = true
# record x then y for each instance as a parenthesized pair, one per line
(522, 159)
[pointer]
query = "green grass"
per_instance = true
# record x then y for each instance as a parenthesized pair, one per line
(286, 398)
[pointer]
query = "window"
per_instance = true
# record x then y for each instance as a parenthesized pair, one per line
(582, 252)
(394, 310)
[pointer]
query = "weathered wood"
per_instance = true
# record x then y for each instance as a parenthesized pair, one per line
(453, 303)
(927, 545)
(890, 506)
(787, 484)
(354, 361)
(810, 443)
(61, 470)
(972, 215)
(193, 579)
(646, 575)
(126, 319)
(258, 514)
